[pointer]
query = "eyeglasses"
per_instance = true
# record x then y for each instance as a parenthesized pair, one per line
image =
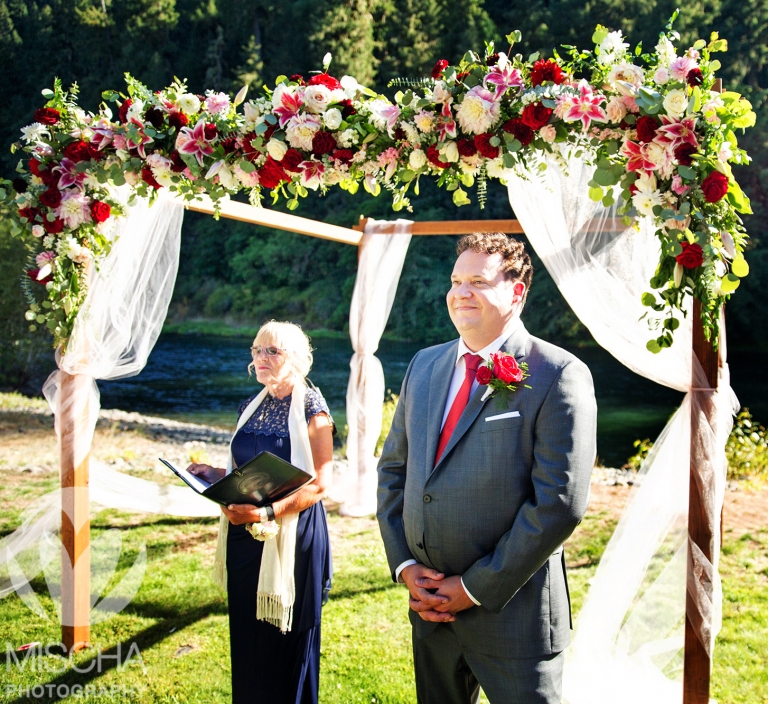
(270, 351)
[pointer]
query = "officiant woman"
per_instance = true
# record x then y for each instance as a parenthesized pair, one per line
(276, 584)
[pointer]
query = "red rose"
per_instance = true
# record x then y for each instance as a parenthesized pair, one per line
(715, 186)
(270, 131)
(694, 77)
(155, 117)
(29, 213)
(19, 185)
(345, 156)
(519, 129)
(46, 116)
(484, 375)
(691, 256)
(251, 152)
(35, 167)
(271, 175)
(484, 146)
(399, 134)
(433, 155)
(684, 152)
(229, 144)
(53, 227)
(505, 368)
(177, 162)
(78, 151)
(298, 78)
(148, 177)
(535, 115)
(100, 211)
(646, 128)
(492, 60)
(291, 160)
(32, 274)
(178, 120)
(123, 111)
(210, 131)
(323, 143)
(323, 79)
(438, 68)
(347, 109)
(546, 70)
(466, 147)
(51, 198)
(49, 177)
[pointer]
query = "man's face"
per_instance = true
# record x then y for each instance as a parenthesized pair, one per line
(481, 301)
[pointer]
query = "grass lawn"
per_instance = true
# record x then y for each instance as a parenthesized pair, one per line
(178, 620)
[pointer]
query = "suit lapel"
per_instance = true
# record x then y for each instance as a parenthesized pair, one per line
(439, 385)
(516, 345)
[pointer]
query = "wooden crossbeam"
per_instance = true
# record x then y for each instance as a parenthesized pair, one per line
(273, 218)
(454, 227)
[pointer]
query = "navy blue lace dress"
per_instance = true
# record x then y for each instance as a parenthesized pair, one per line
(268, 666)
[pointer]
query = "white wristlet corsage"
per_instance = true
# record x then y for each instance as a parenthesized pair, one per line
(263, 531)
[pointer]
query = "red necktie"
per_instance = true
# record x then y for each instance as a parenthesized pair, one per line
(472, 361)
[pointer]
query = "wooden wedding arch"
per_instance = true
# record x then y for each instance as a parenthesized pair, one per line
(75, 535)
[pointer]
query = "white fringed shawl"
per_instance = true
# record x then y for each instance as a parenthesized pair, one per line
(277, 589)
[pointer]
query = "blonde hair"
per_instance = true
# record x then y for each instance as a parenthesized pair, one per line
(289, 337)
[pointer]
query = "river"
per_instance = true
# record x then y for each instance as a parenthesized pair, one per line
(203, 378)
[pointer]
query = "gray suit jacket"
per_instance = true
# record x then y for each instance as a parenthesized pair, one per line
(503, 498)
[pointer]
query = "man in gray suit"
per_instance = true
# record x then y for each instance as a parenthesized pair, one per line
(476, 496)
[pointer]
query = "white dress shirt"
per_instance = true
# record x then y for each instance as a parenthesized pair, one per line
(457, 380)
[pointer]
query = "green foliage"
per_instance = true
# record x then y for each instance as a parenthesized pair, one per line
(643, 448)
(388, 413)
(747, 448)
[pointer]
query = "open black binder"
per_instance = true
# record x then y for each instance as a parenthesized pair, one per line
(263, 480)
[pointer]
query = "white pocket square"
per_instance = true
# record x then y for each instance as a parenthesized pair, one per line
(511, 414)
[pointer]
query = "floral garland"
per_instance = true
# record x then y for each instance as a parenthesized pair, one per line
(661, 138)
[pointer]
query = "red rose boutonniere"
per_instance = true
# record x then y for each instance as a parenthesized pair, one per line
(501, 374)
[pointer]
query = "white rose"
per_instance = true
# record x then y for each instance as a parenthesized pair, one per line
(417, 159)
(661, 76)
(228, 179)
(38, 230)
(317, 98)
(276, 148)
(675, 103)
(450, 152)
(548, 133)
(251, 112)
(332, 119)
(616, 109)
(189, 104)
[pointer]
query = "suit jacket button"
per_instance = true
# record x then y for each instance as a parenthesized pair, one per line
(427, 498)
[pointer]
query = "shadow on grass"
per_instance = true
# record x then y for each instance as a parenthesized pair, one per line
(119, 654)
(336, 595)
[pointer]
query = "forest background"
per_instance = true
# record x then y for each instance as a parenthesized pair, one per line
(243, 274)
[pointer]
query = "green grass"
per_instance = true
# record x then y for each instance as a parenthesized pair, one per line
(366, 636)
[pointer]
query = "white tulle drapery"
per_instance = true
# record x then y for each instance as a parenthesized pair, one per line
(629, 633)
(381, 262)
(115, 330)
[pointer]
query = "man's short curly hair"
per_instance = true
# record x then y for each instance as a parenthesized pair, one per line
(517, 264)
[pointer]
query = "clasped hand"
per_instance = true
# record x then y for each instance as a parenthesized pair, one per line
(238, 514)
(434, 596)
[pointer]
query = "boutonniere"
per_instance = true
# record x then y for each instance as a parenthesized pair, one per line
(501, 374)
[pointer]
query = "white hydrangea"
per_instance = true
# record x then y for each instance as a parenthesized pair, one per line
(347, 138)
(665, 50)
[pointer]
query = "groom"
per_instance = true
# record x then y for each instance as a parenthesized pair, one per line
(476, 497)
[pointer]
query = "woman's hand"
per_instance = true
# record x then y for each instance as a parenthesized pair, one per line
(206, 472)
(238, 514)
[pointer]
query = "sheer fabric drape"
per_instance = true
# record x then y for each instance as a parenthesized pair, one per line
(629, 633)
(378, 272)
(115, 331)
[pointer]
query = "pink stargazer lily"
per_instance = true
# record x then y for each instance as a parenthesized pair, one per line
(447, 125)
(311, 173)
(69, 174)
(391, 114)
(289, 106)
(192, 141)
(677, 132)
(503, 76)
(144, 139)
(102, 133)
(636, 157)
(586, 107)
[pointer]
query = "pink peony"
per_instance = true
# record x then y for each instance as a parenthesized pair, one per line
(217, 103)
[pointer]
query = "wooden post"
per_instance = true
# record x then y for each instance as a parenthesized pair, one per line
(75, 516)
(696, 662)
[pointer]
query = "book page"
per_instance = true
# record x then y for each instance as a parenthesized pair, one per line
(197, 483)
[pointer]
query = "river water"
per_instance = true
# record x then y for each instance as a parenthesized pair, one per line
(203, 378)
